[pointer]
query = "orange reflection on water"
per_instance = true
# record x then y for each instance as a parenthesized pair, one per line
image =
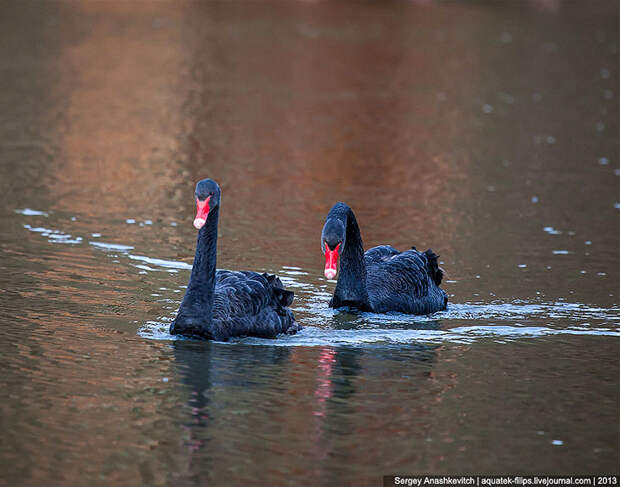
(123, 118)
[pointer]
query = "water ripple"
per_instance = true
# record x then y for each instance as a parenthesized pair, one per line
(460, 323)
(313, 336)
(394, 328)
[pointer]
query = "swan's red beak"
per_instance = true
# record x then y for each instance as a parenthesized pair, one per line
(202, 211)
(331, 261)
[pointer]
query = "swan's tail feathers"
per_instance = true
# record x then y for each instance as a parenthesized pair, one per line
(273, 280)
(284, 297)
(436, 271)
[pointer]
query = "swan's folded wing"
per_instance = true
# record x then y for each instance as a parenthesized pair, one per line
(240, 293)
(406, 271)
(402, 283)
(249, 303)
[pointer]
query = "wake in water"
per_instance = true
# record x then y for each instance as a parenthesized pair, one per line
(373, 329)
(323, 326)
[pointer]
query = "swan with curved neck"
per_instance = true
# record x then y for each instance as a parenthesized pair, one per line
(222, 304)
(381, 279)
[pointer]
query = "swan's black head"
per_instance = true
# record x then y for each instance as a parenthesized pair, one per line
(207, 197)
(332, 244)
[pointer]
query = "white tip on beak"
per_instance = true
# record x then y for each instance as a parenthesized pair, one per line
(199, 223)
(330, 273)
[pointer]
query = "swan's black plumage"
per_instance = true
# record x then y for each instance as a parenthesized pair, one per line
(381, 279)
(222, 304)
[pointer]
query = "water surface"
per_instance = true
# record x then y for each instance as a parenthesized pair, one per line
(487, 131)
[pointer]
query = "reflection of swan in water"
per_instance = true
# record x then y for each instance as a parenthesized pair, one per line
(248, 407)
(341, 410)
(369, 399)
(213, 373)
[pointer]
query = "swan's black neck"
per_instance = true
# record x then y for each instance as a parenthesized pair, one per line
(351, 287)
(197, 306)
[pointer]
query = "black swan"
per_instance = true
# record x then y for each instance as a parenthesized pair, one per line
(222, 304)
(382, 279)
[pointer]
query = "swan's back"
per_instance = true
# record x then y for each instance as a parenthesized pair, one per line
(404, 281)
(249, 303)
